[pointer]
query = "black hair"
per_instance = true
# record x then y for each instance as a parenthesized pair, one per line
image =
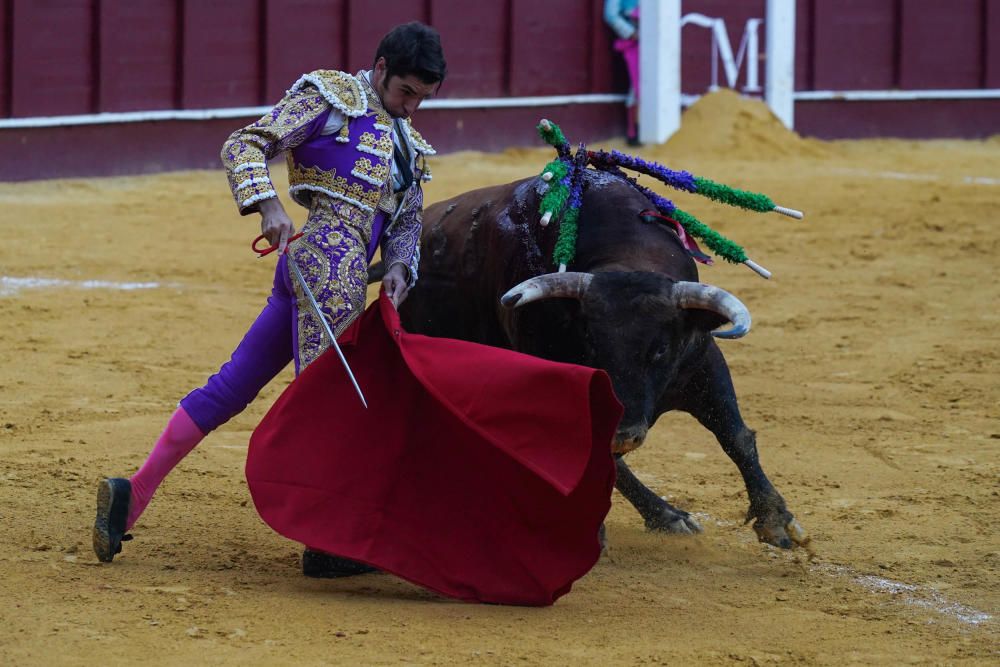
(413, 48)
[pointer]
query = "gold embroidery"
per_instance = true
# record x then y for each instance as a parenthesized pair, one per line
(300, 177)
(332, 254)
(340, 89)
(382, 145)
(419, 143)
(368, 196)
(246, 151)
(378, 172)
(425, 169)
(293, 113)
(374, 103)
(389, 200)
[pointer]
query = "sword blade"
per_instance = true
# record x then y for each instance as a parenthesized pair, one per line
(326, 325)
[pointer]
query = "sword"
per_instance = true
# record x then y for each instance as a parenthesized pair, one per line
(326, 325)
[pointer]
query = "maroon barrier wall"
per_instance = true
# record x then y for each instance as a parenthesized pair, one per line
(60, 57)
(897, 45)
(122, 55)
(66, 57)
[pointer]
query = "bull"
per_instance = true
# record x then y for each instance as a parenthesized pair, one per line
(631, 305)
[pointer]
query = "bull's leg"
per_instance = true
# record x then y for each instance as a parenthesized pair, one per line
(655, 511)
(711, 399)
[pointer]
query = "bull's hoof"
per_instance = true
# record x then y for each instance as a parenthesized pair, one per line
(784, 536)
(773, 535)
(673, 520)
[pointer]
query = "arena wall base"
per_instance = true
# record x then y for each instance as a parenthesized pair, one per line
(151, 147)
(913, 119)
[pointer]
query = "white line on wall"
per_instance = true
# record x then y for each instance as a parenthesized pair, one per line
(109, 118)
(896, 95)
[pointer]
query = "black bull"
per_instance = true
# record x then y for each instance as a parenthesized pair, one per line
(632, 305)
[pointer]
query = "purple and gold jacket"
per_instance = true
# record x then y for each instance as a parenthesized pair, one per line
(352, 165)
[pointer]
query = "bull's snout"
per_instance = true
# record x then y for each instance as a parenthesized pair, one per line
(629, 437)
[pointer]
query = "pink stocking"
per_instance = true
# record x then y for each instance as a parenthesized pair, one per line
(629, 49)
(176, 441)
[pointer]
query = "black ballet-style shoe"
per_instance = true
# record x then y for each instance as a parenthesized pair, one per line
(320, 565)
(113, 496)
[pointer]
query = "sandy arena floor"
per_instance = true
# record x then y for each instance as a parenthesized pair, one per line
(871, 376)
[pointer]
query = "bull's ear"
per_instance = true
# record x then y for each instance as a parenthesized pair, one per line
(705, 320)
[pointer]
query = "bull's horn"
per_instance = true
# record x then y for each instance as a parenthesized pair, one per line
(709, 297)
(569, 285)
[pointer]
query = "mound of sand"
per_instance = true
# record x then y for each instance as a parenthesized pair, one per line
(725, 123)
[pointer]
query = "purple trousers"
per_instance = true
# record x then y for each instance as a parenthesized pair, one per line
(273, 339)
(265, 350)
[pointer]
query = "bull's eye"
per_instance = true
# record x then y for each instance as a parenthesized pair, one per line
(660, 352)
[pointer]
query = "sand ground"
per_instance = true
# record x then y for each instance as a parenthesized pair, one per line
(871, 377)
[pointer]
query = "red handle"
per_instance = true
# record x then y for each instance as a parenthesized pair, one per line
(267, 251)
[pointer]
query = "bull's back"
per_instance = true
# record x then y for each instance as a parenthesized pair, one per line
(467, 245)
(459, 231)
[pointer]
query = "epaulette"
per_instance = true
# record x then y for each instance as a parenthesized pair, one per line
(340, 89)
(419, 143)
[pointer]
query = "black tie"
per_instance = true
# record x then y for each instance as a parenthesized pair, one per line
(404, 168)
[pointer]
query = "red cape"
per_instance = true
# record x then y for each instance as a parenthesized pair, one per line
(480, 473)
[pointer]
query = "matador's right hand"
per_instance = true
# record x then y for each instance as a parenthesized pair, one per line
(275, 224)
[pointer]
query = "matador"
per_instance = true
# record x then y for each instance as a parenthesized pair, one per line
(356, 164)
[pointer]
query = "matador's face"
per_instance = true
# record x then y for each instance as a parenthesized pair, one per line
(401, 95)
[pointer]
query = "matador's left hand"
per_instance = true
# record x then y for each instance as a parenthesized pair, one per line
(395, 285)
